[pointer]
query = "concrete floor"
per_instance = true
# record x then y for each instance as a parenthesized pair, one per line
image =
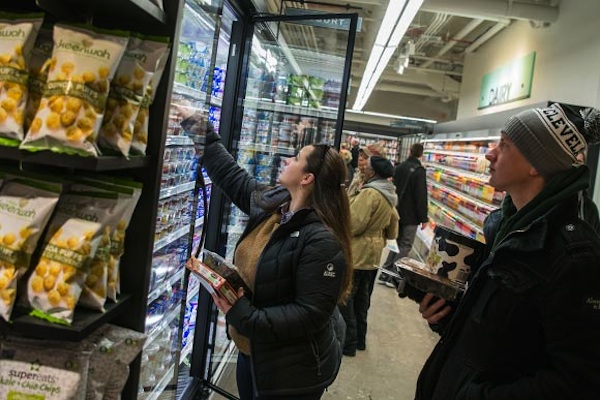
(398, 343)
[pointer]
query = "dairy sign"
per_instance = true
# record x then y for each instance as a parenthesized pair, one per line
(508, 83)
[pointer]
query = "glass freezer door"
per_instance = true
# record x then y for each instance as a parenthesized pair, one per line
(293, 85)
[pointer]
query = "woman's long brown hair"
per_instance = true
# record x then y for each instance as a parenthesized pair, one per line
(330, 201)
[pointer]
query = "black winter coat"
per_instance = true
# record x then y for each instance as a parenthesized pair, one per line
(299, 278)
(411, 188)
(529, 324)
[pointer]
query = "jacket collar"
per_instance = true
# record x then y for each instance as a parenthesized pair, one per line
(532, 237)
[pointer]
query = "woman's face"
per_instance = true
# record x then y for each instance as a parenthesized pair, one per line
(363, 161)
(295, 169)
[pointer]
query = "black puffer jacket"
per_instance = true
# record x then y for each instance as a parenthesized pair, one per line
(411, 188)
(529, 324)
(299, 277)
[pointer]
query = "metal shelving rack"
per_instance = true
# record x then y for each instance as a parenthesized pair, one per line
(145, 17)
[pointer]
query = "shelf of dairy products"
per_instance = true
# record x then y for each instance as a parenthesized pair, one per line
(181, 188)
(453, 220)
(163, 322)
(470, 208)
(265, 148)
(474, 189)
(471, 162)
(169, 282)
(266, 105)
(160, 386)
(483, 177)
(187, 91)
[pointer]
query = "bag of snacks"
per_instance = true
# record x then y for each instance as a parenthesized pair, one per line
(127, 89)
(129, 192)
(41, 53)
(128, 345)
(83, 63)
(142, 119)
(43, 370)
(25, 208)
(78, 228)
(97, 285)
(17, 36)
(102, 362)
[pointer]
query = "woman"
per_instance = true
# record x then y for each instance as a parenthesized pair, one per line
(347, 158)
(373, 149)
(295, 256)
(374, 220)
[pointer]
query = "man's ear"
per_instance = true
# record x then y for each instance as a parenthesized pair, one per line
(533, 171)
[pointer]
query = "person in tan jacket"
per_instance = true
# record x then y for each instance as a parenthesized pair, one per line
(374, 220)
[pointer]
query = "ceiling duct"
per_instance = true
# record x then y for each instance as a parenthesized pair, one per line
(493, 10)
(463, 32)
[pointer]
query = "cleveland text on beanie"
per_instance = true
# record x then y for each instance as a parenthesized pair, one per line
(382, 166)
(550, 138)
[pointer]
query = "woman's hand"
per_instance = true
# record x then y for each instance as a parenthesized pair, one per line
(433, 312)
(222, 303)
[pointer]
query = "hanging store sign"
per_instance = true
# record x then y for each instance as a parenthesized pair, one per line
(508, 83)
(412, 125)
(332, 23)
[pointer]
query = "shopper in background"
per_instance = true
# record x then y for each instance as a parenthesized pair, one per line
(411, 188)
(295, 256)
(355, 147)
(347, 157)
(373, 149)
(374, 220)
(529, 323)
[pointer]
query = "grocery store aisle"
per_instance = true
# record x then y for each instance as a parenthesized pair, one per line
(398, 343)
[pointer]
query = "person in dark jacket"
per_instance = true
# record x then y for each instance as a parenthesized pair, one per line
(528, 324)
(295, 256)
(411, 188)
(355, 147)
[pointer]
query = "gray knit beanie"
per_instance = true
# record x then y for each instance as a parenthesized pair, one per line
(550, 138)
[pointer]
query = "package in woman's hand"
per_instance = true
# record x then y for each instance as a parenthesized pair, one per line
(218, 275)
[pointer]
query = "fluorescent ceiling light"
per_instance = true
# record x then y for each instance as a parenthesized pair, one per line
(376, 114)
(397, 18)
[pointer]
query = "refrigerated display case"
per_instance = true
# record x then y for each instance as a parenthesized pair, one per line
(288, 96)
(187, 347)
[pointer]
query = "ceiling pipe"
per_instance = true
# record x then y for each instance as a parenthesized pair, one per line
(459, 35)
(437, 60)
(389, 87)
(486, 36)
(493, 10)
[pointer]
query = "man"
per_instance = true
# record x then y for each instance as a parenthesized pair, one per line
(529, 322)
(355, 147)
(411, 188)
(374, 220)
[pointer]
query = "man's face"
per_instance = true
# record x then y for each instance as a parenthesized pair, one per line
(509, 170)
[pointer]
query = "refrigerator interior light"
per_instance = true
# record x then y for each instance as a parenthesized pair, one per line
(398, 16)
